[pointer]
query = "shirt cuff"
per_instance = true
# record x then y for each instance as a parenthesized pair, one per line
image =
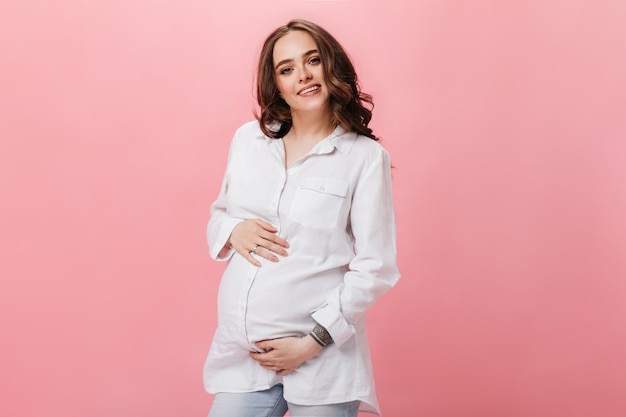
(226, 228)
(330, 317)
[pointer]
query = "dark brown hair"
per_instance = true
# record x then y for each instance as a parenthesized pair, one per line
(346, 98)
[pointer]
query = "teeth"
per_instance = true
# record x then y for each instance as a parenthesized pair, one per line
(308, 90)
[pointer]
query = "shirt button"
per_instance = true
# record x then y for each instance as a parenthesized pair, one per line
(322, 188)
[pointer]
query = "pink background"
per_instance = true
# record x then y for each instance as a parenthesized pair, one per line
(506, 123)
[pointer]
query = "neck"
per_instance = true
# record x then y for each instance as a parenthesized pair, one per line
(306, 126)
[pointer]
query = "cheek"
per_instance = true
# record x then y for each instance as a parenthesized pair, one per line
(319, 73)
(281, 85)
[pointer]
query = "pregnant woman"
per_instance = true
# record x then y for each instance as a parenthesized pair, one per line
(305, 220)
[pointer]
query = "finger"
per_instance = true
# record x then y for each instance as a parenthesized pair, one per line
(248, 255)
(270, 234)
(266, 345)
(269, 364)
(266, 242)
(270, 246)
(275, 239)
(272, 367)
(261, 356)
(265, 363)
(266, 245)
(265, 225)
(265, 253)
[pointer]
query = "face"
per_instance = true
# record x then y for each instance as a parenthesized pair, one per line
(299, 72)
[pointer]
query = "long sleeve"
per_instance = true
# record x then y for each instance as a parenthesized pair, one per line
(373, 270)
(221, 224)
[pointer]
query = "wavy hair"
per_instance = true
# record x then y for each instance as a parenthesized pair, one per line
(347, 101)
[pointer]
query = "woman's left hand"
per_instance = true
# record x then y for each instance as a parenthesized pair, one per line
(285, 354)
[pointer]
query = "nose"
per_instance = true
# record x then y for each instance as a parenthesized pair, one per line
(305, 74)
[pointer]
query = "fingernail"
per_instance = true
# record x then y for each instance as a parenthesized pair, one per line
(284, 253)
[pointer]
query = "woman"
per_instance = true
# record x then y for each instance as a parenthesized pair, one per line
(305, 219)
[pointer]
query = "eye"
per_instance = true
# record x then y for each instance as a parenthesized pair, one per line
(314, 61)
(286, 70)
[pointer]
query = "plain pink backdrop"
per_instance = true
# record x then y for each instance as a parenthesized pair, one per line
(506, 124)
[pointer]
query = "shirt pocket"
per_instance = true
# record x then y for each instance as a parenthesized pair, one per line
(318, 202)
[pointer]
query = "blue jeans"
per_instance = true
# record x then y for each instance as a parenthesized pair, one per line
(270, 403)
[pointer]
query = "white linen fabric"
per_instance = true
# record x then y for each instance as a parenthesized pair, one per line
(334, 206)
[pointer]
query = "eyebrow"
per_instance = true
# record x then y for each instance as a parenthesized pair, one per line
(284, 61)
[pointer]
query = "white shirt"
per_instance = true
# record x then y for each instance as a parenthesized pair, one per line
(334, 206)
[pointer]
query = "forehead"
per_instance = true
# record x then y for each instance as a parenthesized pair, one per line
(293, 45)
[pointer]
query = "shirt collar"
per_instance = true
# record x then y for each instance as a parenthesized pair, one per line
(274, 127)
(340, 139)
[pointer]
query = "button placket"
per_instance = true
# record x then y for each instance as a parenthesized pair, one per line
(243, 300)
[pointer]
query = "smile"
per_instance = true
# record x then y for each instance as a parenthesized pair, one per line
(309, 89)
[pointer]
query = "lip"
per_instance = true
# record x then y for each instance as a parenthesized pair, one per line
(310, 86)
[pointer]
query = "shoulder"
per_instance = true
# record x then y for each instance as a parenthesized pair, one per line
(250, 129)
(368, 148)
(248, 134)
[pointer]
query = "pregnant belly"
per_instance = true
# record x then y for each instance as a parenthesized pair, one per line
(281, 304)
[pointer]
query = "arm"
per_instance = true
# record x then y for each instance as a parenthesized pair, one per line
(373, 269)
(227, 234)
(221, 224)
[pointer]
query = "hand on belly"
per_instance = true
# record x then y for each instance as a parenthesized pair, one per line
(285, 354)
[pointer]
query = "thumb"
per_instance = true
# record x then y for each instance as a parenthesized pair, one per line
(264, 344)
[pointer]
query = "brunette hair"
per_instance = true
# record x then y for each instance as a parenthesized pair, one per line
(346, 98)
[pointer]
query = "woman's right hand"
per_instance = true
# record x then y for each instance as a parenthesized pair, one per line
(258, 237)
